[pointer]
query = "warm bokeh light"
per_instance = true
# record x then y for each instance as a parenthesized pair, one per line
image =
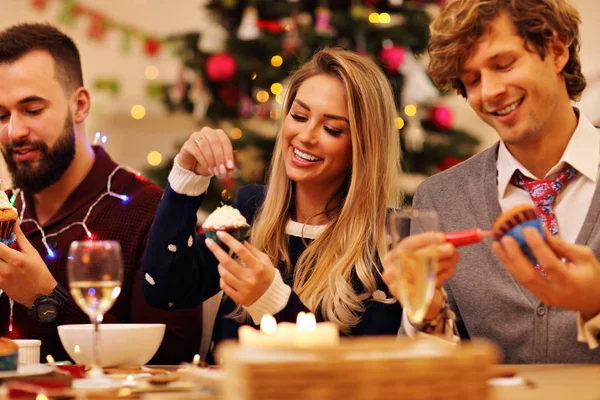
(262, 96)
(138, 112)
(276, 61)
(275, 114)
(410, 110)
(374, 18)
(384, 18)
(399, 123)
(276, 88)
(253, 76)
(236, 133)
(151, 72)
(226, 196)
(154, 158)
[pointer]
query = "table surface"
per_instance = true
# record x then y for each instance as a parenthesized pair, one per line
(549, 382)
(542, 381)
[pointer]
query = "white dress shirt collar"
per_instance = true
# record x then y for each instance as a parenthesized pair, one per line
(582, 153)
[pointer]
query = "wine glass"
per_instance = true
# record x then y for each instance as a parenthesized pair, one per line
(415, 265)
(95, 271)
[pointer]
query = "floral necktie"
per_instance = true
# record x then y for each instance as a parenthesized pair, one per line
(543, 192)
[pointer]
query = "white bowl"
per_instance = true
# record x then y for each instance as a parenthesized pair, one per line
(120, 344)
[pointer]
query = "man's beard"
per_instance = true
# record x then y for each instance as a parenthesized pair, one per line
(51, 165)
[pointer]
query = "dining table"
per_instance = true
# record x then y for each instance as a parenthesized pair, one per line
(552, 382)
(533, 381)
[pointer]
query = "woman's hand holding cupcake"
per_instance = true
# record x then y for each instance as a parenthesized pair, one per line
(207, 152)
(23, 274)
(246, 280)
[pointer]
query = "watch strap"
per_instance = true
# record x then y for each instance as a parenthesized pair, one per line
(429, 326)
(59, 296)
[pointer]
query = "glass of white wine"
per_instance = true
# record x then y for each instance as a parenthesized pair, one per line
(95, 272)
(415, 264)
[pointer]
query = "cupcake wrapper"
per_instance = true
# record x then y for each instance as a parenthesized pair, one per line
(9, 362)
(517, 234)
(6, 229)
(12, 238)
(239, 234)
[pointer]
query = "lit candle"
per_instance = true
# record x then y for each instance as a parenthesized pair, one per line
(268, 335)
(268, 324)
(312, 334)
(306, 332)
(196, 360)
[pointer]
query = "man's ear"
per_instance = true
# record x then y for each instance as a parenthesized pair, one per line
(559, 50)
(82, 102)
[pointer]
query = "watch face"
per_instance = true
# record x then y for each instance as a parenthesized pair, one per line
(47, 312)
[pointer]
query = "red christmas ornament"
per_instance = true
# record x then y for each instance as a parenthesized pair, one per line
(97, 27)
(221, 67)
(230, 95)
(442, 117)
(152, 46)
(392, 58)
(448, 162)
(39, 5)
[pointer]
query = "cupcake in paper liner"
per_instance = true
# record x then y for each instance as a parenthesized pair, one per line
(8, 217)
(228, 219)
(9, 354)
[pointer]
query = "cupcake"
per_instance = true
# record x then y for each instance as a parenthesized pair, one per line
(9, 355)
(513, 222)
(8, 217)
(228, 219)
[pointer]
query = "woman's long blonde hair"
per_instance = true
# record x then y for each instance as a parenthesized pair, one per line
(349, 247)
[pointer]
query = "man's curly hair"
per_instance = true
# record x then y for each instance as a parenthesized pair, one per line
(456, 31)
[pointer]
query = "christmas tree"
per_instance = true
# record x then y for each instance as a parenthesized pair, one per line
(234, 75)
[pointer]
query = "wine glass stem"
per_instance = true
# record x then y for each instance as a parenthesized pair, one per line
(96, 370)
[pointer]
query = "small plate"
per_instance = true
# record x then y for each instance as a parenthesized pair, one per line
(209, 378)
(27, 370)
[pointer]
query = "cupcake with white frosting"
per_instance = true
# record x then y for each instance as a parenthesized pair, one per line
(228, 219)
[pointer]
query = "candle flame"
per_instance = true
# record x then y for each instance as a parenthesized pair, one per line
(306, 322)
(77, 349)
(49, 359)
(41, 396)
(196, 360)
(268, 324)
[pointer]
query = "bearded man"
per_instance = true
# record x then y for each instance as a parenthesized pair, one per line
(59, 181)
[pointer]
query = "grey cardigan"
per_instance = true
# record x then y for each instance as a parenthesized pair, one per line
(488, 302)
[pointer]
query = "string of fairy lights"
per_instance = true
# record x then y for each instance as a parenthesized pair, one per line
(98, 139)
(82, 223)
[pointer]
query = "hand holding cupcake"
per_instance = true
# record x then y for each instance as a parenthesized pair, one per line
(8, 217)
(228, 219)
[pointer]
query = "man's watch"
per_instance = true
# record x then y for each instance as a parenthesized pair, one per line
(46, 309)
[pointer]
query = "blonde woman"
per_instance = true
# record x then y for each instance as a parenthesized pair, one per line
(318, 226)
